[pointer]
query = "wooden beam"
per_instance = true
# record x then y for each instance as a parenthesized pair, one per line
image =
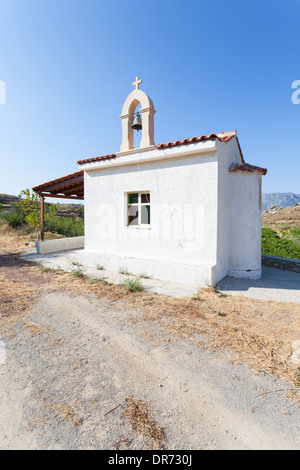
(61, 184)
(42, 218)
(62, 196)
(76, 190)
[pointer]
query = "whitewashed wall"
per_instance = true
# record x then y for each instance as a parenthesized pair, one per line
(245, 225)
(182, 240)
(205, 221)
(239, 218)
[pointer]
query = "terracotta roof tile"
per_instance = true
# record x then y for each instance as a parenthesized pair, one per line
(247, 167)
(223, 137)
(96, 159)
(69, 187)
(62, 179)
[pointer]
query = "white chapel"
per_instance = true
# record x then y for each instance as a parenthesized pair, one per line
(187, 211)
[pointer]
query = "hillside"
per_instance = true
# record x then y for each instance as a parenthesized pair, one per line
(65, 210)
(281, 218)
(7, 201)
(279, 199)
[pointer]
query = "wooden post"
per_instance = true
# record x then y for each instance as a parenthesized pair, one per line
(42, 218)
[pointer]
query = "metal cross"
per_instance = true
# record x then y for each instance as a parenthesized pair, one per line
(137, 83)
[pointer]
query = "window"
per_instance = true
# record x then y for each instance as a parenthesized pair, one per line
(138, 209)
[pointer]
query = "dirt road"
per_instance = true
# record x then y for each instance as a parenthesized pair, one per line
(85, 357)
(74, 359)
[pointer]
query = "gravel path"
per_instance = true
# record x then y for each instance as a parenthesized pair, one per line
(69, 369)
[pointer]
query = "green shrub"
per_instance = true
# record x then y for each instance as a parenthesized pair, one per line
(65, 226)
(80, 211)
(293, 235)
(274, 245)
(14, 217)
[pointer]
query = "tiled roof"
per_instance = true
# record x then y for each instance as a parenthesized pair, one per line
(70, 186)
(96, 159)
(62, 179)
(223, 137)
(247, 167)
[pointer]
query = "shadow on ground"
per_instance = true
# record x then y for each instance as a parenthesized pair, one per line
(275, 284)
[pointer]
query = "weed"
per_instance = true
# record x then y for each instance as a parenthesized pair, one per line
(197, 296)
(211, 288)
(133, 285)
(99, 268)
(145, 276)
(95, 280)
(123, 271)
(78, 272)
(46, 270)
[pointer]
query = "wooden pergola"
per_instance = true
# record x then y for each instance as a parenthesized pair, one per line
(67, 187)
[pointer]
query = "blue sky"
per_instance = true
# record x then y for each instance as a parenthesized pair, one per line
(68, 66)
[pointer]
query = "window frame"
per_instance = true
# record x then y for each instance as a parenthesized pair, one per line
(139, 204)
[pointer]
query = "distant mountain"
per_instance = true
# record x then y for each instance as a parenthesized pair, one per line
(279, 200)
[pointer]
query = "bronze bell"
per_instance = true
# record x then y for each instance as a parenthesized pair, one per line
(137, 123)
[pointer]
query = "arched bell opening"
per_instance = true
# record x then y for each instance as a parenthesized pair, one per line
(137, 102)
(137, 126)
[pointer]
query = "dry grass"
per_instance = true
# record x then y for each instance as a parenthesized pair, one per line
(256, 332)
(138, 414)
(287, 217)
(65, 412)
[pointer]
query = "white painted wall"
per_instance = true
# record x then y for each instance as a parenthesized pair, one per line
(182, 239)
(205, 221)
(245, 225)
(239, 218)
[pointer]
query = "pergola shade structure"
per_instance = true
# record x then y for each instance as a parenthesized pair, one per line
(66, 187)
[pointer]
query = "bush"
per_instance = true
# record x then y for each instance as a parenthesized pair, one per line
(80, 211)
(293, 235)
(14, 217)
(273, 245)
(65, 226)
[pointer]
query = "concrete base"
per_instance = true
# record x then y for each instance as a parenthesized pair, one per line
(245, 274)
(275, 284)
(65, 261)
(60, 244)
(188, 273)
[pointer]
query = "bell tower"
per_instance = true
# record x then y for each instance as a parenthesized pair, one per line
(137, 97)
